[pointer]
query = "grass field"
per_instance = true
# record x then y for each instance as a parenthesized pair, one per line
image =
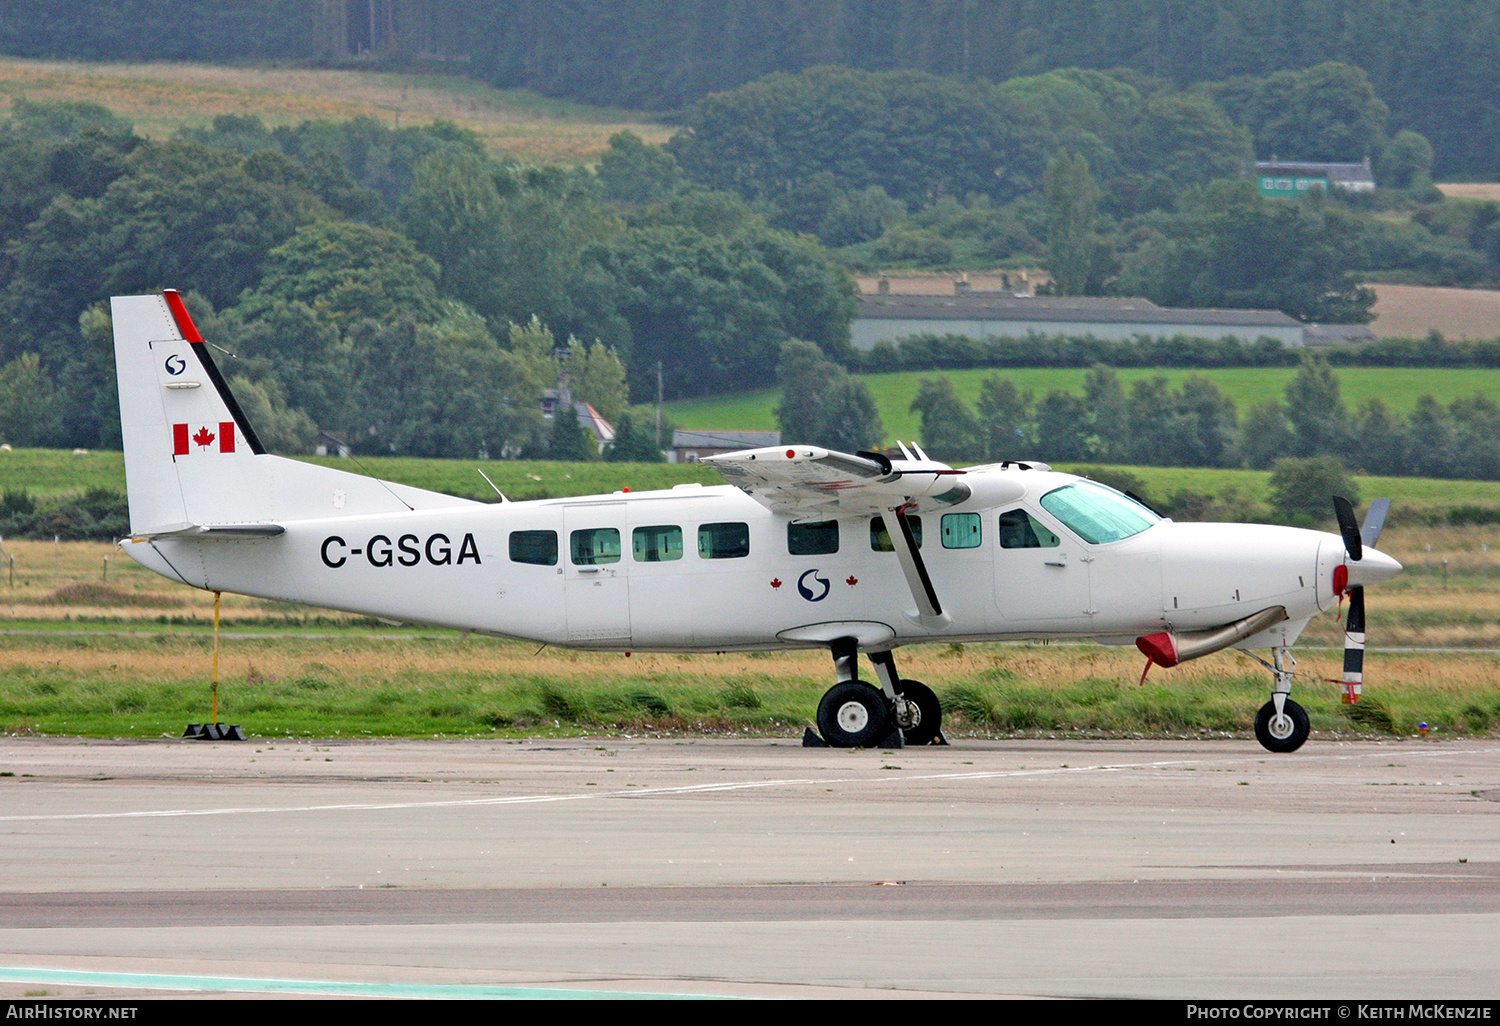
(47, 473)
(1398, 387)
(162, 98)
(97, 646)
(50, 472)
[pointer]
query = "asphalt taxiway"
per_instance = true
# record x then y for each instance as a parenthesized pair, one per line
(1190, 869)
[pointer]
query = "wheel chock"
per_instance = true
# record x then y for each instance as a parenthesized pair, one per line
(213, 732)
(810, 739)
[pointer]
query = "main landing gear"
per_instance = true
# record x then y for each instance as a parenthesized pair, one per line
(1281, 725)
(856, 714)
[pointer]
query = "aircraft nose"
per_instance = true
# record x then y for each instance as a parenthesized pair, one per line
(1373, 568)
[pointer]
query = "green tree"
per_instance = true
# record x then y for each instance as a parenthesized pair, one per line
(950, 431)
(1315, 406)
(29, 412)
(597, 376)
(348, 272)
(848, 420)
(634, 442)
(632, 171)
(568, 440)
(1072, 203)
(821, 404)
(1302, 490)
(281, 429)
(1005, 416)
(1405, 162)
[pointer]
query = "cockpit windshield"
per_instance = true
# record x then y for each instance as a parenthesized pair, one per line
(1096, 513)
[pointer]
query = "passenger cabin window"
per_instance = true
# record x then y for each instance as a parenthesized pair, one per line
(595, 546)
(1020, 530)
(961, 530)
(656, 544)
(880, 539)
(1096, 513)
(538, 548)
(724, 541)
(816, 539)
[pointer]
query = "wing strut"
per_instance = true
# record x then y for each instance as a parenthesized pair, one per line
(929, 612)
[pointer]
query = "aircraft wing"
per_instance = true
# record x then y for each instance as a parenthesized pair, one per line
(809, 483)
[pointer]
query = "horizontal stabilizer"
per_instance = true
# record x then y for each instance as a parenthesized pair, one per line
(215, 532)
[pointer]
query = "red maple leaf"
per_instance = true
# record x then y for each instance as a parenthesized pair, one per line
(851, 580)
(776, 583)
(204, 437)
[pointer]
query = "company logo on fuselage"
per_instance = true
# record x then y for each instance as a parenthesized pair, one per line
(407, 550)
(808, 593)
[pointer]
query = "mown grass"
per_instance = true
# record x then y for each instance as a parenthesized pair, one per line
(438, 686)
(1398, 387)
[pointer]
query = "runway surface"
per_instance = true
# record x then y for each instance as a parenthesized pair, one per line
(750, 867)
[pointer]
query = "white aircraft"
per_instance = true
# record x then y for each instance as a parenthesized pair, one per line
(805, 548)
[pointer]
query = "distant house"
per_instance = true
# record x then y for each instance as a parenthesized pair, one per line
(1279, 179)
(980, 315)
(330, 445)
(691, 446)
(588, 417)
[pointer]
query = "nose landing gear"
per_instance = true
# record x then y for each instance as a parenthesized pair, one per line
(1281, 725)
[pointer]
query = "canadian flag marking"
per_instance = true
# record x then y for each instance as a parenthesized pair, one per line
(186, 440)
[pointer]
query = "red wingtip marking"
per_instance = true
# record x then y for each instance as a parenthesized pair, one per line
(180, 315)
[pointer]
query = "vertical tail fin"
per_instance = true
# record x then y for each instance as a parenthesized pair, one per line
(186, 439)
(192, 458)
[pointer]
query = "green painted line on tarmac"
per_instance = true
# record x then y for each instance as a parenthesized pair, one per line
(154, 981)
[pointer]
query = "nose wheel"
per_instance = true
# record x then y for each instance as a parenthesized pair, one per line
(1281, 725)
(1281, 730)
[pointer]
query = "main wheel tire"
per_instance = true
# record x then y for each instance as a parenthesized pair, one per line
(853, 715)
(918, 712)
(1285, 733)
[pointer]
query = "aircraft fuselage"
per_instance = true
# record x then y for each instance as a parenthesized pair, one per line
(710, 569)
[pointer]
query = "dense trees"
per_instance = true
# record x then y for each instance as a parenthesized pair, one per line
(390, 287)
(1433, 62)
(1228, 247)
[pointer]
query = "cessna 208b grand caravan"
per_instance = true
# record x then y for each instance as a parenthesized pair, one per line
(804, 548)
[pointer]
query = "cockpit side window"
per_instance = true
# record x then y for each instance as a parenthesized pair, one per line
(1020, 530)
(1096, 513)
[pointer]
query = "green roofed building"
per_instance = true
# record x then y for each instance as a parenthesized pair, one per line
(1279, 179)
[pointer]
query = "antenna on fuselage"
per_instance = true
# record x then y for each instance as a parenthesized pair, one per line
(492, 485)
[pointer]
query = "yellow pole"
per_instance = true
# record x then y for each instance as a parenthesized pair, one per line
(216, 658)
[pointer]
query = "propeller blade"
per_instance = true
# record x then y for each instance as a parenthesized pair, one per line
(1348, 527)
(1354, 646)
(1374, 521)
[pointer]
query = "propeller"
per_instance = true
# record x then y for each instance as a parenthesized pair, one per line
(1356, 539)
